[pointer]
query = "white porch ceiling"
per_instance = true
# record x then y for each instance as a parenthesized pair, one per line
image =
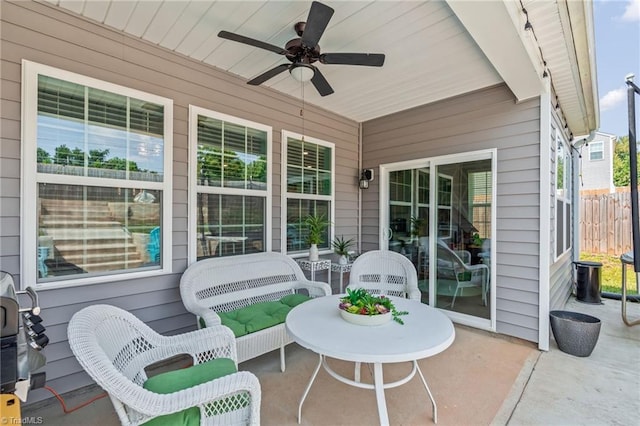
(430, 55)
(564, 32)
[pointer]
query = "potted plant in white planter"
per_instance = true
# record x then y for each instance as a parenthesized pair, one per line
(316, 225)
(341, 248)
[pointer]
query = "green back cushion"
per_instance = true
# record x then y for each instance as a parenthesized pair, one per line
(184, 378)
(260, 315)
(293, 300)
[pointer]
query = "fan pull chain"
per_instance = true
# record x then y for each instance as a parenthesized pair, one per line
(302, 109)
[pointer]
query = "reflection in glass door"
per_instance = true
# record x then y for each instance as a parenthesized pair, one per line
(454, 269)
(408, 209)
(463, 254)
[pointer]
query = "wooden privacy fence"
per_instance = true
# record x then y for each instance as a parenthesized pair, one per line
(605, 223)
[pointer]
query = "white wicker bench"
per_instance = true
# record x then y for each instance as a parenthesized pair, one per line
(227, 283)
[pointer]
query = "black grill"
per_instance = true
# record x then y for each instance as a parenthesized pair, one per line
(21, 336)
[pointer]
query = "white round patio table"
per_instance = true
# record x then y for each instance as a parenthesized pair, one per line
(318, 326)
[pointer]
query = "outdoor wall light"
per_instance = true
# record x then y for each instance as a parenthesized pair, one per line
(365, 177)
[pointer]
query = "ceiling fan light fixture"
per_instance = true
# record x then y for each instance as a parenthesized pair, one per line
(303, 51)
(302, 72)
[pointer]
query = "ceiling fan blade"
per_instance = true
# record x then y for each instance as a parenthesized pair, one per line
(320, 83)
(367, 59)
(268, 74)
(251, 42)
(317, 22)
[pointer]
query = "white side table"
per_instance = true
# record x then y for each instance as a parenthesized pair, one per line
(341, 268)
(315, 265)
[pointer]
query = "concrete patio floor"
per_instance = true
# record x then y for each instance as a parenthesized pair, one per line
(482, 379)
(602, 389)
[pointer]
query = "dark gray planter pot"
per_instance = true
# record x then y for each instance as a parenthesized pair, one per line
(575, 333)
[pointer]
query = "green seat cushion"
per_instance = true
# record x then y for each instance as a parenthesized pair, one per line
(261, 315)
(184, 378)
(464, 276)
(254, 317)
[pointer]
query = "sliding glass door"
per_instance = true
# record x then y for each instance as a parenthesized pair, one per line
(439, 213)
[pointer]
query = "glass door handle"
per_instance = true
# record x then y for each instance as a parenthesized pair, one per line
(388, 233)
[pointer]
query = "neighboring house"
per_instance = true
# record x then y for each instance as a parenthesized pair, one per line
(132, 146)
(596, 164)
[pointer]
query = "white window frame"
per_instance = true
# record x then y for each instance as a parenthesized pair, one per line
(31, 178)
(420, 205)
(564, 196)
(596, 148)
(405, 203)
(444, 207)
(194, 188)
(285, 195)
(415, 206)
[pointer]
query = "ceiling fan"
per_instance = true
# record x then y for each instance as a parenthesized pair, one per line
(304, 51)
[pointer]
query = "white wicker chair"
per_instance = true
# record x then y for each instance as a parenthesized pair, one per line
(385, 272)
(114, 347)
(423, 258)
(452, 267)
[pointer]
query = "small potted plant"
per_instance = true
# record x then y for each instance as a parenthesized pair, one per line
(341, 248)
(316, 225)
(368, 309)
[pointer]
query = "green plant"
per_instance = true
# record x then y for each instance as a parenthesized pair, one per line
(361, 302)
(621, 162)
(316, 225)
(341, 246)
(477, 241)
(416, 226)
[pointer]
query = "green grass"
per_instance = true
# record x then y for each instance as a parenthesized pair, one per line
(611, 278)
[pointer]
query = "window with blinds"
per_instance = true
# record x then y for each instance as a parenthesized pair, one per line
(232, 194)
(308, 167)
(480, 195)
(84, 131)
(96, 179)
(596, 151)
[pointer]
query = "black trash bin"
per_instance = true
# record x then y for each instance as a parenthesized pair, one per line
(588, 281)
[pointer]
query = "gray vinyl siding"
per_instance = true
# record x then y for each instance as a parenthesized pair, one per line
(485, 119)
(47, 35)
(560, 277)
